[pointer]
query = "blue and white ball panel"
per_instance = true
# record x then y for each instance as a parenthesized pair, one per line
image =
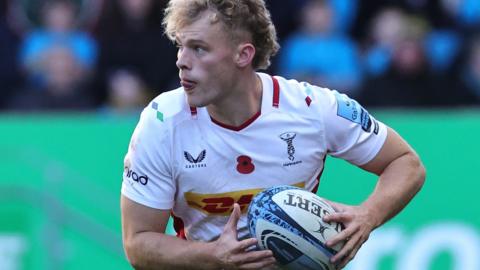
(291, 250)
(288, 221)
(261, 207)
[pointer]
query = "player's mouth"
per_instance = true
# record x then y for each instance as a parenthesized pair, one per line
(187, 85)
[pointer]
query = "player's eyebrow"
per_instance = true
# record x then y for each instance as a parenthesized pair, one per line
(197, 42)
(190, 41)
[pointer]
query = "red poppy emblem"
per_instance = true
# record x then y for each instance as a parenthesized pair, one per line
(245, 165)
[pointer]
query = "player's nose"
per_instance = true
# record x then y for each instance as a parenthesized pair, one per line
(182, 60)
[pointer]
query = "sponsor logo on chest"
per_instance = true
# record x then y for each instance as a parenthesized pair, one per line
(221, 204)
(195, 162)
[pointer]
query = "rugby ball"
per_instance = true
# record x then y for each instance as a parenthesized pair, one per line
(288, 221)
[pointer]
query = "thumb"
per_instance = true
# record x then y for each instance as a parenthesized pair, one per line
(234, 217)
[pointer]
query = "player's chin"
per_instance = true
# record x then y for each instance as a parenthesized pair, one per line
(196, 102)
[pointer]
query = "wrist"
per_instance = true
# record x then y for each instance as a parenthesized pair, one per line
(373, 215)
(209, 255)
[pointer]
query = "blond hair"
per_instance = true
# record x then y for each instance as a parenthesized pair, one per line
(238, 16)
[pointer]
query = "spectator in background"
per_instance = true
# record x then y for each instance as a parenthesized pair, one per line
(64, 87)
(471, 72)
(407, 82)
(385, 33)
(442, 48)
(345, 14)
(131, 38)
(442, 45)
(430, 10)
(320, 55)
(466, 14)
(126, 93)
(9, 73)
(57, 30)
(409, 65)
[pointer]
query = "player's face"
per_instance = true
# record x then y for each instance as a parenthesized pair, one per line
(206, 61)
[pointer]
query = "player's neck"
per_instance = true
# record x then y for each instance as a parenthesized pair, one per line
(243, 101)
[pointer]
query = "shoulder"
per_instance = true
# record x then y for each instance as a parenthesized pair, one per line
(157, 121)
(317, 104)
(165, 111)
(305, 96)
(170, 103)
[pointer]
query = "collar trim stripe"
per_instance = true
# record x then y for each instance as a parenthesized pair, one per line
(239, 128)
(193, 111)
(276, 93)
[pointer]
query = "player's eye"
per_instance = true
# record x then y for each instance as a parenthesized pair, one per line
(199, 49)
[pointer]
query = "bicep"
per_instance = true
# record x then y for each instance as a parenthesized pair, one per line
(393, 148)
(137, 218)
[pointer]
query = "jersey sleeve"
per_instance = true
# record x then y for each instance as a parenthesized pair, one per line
(147, 175)
(351, 132)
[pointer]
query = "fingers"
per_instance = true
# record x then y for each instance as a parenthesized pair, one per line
(255, 259)
(347, 259)
(346, 249)
(235, 254)
(340, 217)
(348, 252)
(358, 227)
(249, 259)
(244, 244)
(343, 236)
(234, 217)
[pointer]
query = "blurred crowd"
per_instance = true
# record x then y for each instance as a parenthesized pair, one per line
(112, 56)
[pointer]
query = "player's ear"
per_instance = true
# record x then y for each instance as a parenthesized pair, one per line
(245, 54)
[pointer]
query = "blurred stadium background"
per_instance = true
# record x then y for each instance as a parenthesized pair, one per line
(74, 76)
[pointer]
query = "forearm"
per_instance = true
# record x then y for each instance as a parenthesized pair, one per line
(397, 185)
(150, 250)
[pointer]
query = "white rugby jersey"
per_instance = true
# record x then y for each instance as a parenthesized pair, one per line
(181, 159)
